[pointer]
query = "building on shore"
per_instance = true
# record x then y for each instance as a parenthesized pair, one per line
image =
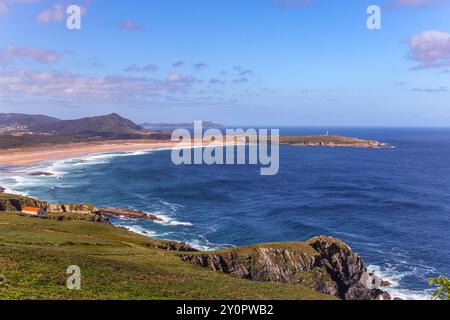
(33, 211)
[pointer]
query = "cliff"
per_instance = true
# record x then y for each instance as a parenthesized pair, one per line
(324, 264)
(13, 203)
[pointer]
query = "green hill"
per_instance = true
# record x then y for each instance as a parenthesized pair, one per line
(8, 119)
(112, 123)
(115, 264)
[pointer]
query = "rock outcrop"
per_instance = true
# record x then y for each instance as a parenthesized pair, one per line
(40, 174)
(14, 203)
(323, 263)
(2, 189)
(71, 208)
(128, 213)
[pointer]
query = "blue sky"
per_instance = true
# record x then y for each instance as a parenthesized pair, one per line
(241, 62)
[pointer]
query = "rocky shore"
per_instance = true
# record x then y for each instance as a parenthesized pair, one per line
(329, 141)
(324, 264)
(128, 213)
(328, 265)
(87, 212)
(40, 174)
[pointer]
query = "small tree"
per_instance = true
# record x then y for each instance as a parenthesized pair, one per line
(443, 287)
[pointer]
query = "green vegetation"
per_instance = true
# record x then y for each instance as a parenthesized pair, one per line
(443, 287)
(115, 264)
(12, 202)
(34, 140)
(326, 140)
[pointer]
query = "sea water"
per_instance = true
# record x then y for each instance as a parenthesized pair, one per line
(391, 205)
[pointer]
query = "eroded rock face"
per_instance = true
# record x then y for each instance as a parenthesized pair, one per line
(15, 203)
(72, 208)
(325, 264)
(129, 213)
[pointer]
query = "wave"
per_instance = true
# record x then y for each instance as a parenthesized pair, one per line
(395, 278)
(16, 180)
(203, 244)
(166, 220)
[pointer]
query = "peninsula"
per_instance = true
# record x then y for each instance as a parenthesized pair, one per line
(24, 137)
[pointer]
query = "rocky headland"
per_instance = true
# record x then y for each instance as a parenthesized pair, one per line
(325, 264)
(329, 141)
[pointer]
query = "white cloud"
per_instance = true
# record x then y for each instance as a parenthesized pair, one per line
(55, 14)
(11, 52)
(431, 49)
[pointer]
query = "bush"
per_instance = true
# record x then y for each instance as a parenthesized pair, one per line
(443, 287)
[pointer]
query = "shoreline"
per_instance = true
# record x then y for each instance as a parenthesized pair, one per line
(30, 156)
(394, 290)
(35, 155)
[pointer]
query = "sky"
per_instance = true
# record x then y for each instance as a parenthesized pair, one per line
(236, 62)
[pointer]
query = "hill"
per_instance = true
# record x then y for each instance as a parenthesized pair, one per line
(11, 119)
(115, 264)
(112, 123)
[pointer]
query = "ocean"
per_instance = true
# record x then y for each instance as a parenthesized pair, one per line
(391, 205)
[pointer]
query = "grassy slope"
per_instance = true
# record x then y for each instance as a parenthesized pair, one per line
(115, 264)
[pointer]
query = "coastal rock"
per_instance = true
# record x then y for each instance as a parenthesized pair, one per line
(128, 213)
(176, 246)
(92, 217)
(15, 203)
(71, 208)
(2, 189)
(323, 263)
(40, 174)
(385, 283)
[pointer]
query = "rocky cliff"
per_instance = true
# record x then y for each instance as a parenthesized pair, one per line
(323, 263)
(15, 203)
(71, 208)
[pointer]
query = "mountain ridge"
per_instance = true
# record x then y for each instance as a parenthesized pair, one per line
(113, 123)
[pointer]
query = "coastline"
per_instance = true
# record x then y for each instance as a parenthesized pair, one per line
(63, 152)
(27, 156)
(392, 290)
(35, 155)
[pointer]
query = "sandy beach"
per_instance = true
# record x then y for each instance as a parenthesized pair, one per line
(34, 155)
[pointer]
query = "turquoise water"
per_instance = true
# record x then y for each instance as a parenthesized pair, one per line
(391, 205)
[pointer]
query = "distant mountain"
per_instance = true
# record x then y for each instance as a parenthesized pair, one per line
(112, 123)
(20, 119)
(170, 126)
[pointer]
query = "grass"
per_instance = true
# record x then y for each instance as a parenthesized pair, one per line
(323, 139)
(115, 264)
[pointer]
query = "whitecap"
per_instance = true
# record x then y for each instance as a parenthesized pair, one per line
(395, 290)
(166, 220)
